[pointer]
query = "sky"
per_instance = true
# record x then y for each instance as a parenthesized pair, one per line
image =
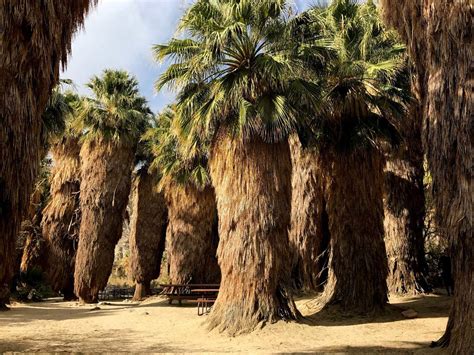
(119, 34)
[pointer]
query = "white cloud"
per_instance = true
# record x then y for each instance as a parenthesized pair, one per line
(119, 34)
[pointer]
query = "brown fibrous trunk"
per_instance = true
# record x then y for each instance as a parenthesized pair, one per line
(439, 39)
(106, 169)
(34, 41)
(147, 232)
(190, 235)
(33, 250)
(253, 191)
(357, 261)
(309, 237)
(404, 205)
(142, 290)
(62, 218)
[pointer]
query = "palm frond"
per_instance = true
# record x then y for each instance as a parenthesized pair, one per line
(116, 111)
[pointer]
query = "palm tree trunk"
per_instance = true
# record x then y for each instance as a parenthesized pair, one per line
(358, 261)
(253, 191)
(147, 232)
(404, 216)
(190, 233)
(309, 235)
(404, 206)
(106, 169)
(438, 34)
(33, 249)
(61, 217)
(142, 290)
(35, 39)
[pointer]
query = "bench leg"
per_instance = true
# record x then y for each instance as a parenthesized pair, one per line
(199, 309)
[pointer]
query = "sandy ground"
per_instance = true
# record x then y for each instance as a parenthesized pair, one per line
(154, 326)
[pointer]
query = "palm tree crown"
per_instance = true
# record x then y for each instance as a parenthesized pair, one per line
(363, 79)
(170, 156)
(235, 67)
(117, 111)
(56, 118)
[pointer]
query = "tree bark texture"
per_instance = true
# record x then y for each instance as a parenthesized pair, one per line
(253, 190)
(404, 206)
(358, 261)
(148, 231)
(106, 169)
(439, 37)
(309, 235)
(190, 237)
(62, 217)
(34, 41)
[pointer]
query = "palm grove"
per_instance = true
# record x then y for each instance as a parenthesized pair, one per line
(292, 157)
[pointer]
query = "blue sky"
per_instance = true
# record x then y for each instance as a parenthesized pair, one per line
(119, 34)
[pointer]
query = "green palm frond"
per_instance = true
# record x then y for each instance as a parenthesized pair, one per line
(116, 111)
(242, 62)
(56, 117)
(172, 155)
(364, 78)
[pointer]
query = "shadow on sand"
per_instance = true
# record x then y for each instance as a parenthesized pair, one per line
(430, 306)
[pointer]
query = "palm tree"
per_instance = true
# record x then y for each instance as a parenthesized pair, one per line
(438, 35)
(36, 38)
(61, 216)
(361, 101)
(35, 253)
(191, 237)
(242, 87)
(148, 224)
(111, 123)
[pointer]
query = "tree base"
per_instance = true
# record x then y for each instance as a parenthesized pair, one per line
(4, 299)
(442, 342)
(415, 287)
(88, 300)
(68, 293)
(68, 298)
(142, 291)
(233, 317)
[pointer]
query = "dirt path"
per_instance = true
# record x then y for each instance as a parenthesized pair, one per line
(154, 326)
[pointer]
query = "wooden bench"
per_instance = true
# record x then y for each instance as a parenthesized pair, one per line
(203, 294)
